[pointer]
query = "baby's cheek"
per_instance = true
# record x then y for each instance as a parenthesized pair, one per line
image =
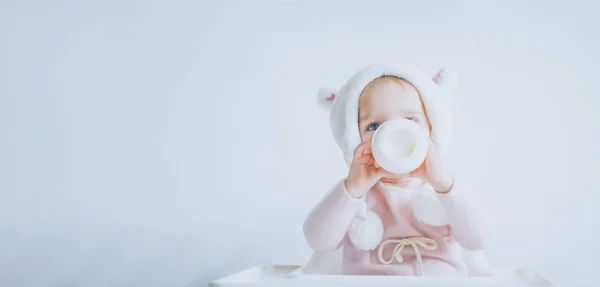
(365, 136)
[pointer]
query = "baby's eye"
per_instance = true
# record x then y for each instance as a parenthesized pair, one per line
(372, 126)
(413, 119)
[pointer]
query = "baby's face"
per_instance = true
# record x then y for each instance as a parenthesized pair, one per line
(389, 98)
(386, 99)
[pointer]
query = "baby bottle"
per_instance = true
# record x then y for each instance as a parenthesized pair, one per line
(399, 146)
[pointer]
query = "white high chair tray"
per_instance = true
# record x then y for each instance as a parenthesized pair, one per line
(291, 275)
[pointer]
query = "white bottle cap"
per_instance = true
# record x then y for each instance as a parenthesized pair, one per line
(399, 146)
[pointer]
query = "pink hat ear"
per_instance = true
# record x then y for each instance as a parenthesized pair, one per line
(438, 76)
(446, 80)
(325, 98)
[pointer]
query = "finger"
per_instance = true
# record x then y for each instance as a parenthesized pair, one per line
(414, 173)
(419, 169)
(367, 143)
(360, 148)
(418, 173)
(362, 160)
(384, 173)
(367, 150)
(403, 176)
(367, 160)
(358, 151)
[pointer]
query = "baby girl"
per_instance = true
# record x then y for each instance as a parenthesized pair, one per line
(425, 219)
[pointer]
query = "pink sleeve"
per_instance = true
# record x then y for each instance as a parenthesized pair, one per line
(326, 225)
(468, 223)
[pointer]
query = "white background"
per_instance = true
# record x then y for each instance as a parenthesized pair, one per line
(148, 143)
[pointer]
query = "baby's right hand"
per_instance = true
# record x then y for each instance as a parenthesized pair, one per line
(364, 172)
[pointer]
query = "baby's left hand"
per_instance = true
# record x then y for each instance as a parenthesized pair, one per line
(434, 172)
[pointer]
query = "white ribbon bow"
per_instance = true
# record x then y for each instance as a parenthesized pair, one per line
(415, 242)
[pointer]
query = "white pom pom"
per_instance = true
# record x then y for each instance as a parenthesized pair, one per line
(325, 98)
(366, 231)
(428, 208)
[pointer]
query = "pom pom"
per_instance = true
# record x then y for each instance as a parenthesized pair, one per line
(325, 98)
(428, 208)
(366, 231)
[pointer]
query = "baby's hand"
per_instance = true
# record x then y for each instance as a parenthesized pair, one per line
(364, 172)
(434, 172)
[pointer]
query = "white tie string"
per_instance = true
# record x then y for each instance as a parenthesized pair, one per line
(415, 242)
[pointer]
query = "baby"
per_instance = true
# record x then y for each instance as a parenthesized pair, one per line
(411, 224)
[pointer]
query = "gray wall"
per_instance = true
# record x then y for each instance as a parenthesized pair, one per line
(142, 141)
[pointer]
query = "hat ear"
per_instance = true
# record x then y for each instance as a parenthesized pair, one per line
(325, 98)
(446, 80)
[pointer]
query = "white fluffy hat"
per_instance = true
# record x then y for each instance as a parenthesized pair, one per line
(435, 92)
